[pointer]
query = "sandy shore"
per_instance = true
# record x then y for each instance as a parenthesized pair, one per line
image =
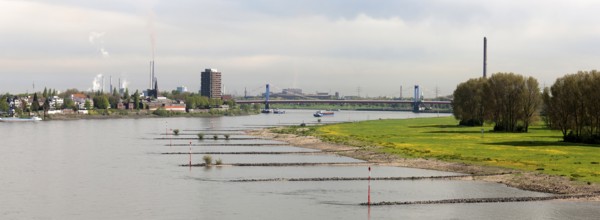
(519, 179)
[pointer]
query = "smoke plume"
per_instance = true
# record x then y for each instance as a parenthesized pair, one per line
(97, 40)
(97, 83)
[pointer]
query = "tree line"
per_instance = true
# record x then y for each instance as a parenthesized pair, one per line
(513, 102)
(508, 100)
(572, 105)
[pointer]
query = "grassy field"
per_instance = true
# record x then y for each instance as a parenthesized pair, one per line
(540, 150)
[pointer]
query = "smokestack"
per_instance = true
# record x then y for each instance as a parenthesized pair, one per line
(153, 75)
(150, 81)
(484, 57)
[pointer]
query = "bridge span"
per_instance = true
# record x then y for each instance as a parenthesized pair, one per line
(340, 101)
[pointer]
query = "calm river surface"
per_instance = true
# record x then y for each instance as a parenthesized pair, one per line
(115, 169)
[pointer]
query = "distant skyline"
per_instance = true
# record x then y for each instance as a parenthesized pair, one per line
(346, 46)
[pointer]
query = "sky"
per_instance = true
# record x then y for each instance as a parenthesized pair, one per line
(354, 47)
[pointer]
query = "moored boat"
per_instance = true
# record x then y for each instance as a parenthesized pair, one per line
(15, 119)
(321, 113)
(278, 111)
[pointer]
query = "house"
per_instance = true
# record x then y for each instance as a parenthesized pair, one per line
(56, 102)
(79, 99)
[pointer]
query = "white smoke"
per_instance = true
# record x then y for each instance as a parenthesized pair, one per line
(97, 83)
(97, 40)
(125, 83)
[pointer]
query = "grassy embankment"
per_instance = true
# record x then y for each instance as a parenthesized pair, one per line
(539, 150)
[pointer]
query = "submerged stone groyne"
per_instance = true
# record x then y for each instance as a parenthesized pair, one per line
(484, 200)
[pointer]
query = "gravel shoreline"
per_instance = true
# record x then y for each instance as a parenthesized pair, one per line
(513, 178)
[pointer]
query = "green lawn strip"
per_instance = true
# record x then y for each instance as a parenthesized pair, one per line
(538, 150)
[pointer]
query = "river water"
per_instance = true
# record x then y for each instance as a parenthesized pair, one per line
(117, 169)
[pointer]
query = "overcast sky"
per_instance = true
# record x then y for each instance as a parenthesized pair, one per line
(316, 45)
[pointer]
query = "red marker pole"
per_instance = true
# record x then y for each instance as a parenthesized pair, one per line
(369, 197)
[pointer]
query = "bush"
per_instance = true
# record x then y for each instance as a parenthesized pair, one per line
(226, 136)
(207, 160)
(162, 112)
(219, 162)
(471, 122)
(176, 131)
(215, 137)
(200, 136)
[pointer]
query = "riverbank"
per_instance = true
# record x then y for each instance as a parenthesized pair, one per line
(522, 179)
(123, 114)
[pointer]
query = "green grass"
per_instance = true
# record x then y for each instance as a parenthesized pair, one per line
(540, 150)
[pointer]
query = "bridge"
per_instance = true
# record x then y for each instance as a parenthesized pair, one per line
(417, 103)
(338, 101)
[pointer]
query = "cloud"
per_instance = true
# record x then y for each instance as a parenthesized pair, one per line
(378, 45)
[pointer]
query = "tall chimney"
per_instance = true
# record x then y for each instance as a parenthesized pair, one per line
(150, 82)
(484, 57)
(153, 76)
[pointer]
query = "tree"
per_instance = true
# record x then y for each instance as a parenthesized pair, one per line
(69, 104)
(468, 102)
(113, 101)
(190, 103)
(35, 104)
(136, 99)
(532, 100)
(245, 107)
(126, 95)
(101, 102)
(508, 100)
(87, 105)
(24, 107)
(4, 107)
(46, 106)
(68, 93)
(571, 105)
(45, 93)
(503, 100)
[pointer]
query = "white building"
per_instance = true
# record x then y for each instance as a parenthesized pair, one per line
(182, 89)
(56, 102)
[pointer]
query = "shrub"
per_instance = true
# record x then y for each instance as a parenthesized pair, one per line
(218, 162)
(471, 122)
(176, 131)
(226, 136)
(162, 112)
(215, 137)
(200, 136)
(207, 160)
